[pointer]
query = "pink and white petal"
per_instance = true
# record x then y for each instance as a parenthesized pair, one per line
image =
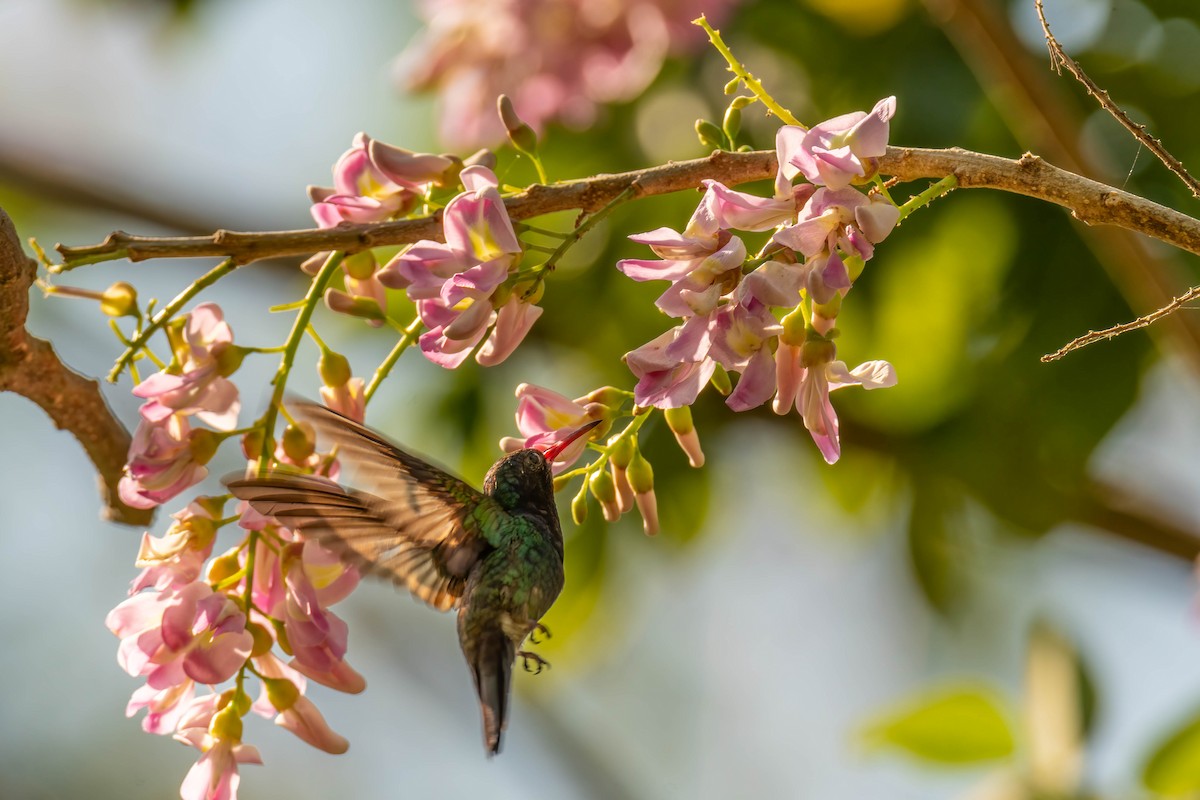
(306, 722)
(869, 136)
(869, 375)
(756, 385)
(513, 322)
(877, 218)
(650, 270)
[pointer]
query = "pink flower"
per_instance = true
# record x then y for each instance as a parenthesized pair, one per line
(666, 380)
(165, 707)
(347, 399)
(556, 59)
(374, 181)
(545, 417)
(165, 458)
(314, 579)
(177, 557)
(175, 635)
(740, 342)
(833, 152)
(202, 388)
(806, 374)
(215, 775)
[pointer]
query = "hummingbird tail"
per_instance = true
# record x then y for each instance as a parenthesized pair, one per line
(492, 670)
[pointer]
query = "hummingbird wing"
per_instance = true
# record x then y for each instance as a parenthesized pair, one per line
(406, 520)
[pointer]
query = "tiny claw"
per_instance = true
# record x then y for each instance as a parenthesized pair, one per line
(526, 657)
(539, 628)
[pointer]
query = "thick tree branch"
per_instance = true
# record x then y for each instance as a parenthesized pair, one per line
(30, 367)
(1090, 201)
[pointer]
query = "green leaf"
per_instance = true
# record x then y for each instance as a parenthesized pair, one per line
(955, 726)
(1174, 768)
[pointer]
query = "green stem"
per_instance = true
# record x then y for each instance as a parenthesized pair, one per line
(315, 292)
(936, 190)
(410, 336)
(168, 311)
(570, 239)
(748, 80)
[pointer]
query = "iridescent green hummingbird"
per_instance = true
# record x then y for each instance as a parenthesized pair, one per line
(495, 555)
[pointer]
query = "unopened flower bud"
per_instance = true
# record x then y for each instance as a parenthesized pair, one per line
(604, 490)
(480, 158)
(229, 358)
(647, 504)
(560, 482)
(281, 693)
(262, 639)
(203, 445)
(360, 265)
(530, 291)
(312, 265)
(119, 300)
(720, 381)
(299, 441)
(281, 636)
(624, 490)
(224, 566)
(239, 701)
(364, 307)
(817, 351)
(519, 133)
(732, 86)
(641, 474)
(226, 724)
(608, 396)
(710, 135)
(679, 420)
(732, 124)
(741, 101)
(334, 369)
(179, 346)
(252, 443)
(579, 507)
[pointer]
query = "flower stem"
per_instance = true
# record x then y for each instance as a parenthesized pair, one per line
(168, 311)
(748, 80)
(936, 190)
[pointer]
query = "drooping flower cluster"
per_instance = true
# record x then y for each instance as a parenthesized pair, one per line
(824, 232)
(556, 59)
(167, 455)
(461, 288)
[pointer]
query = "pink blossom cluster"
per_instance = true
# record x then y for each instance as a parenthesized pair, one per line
(192, 621)
(556, 59)
(771, 318)
(462, 287)
(167, 455)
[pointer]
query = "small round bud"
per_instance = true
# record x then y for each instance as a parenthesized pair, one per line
(119, 300)
(607, 396)
(732, 86)
(622, 451)
(312, 265)
(530, 291)
(363, 307)
(203, 444)
(229, 358)
(360, 265)
(817, 351)
(560, 482)
(640, 474)
(262, 639)
(226, 724)
(281, 637)
(605, 490)
(281, 693)
(252, 443)
(334, 369)
(482, 158)
(679, 420)
(741, 101)
(299, 442)
(224, 567)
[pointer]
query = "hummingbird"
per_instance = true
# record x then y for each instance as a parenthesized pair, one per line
(494, 555)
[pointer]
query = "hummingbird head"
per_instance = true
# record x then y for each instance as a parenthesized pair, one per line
(524, 481)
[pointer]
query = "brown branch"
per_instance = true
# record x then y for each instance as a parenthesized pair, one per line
(1091, 337)
(1060, 59)
(1092, 202)
(30, 367)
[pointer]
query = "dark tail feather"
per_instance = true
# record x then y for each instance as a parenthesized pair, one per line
(492, 669)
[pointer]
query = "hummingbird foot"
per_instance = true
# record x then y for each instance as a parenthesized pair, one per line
(526, 657)
(539, 628)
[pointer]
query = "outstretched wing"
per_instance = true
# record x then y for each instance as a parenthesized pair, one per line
(406, 520)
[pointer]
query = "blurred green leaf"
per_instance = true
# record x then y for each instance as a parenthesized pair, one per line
(935, 548)
(960, 726)
(1174, 767)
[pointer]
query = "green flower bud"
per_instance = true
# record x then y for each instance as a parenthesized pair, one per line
(252, 443)
(299, 441)
(741, 101)
(203, 444)
(605, 490)
(119, 300)
(360, 265)
(262, 639)
(281, 693)
(720, 381)
(224, 566)
(710, 135)
(679, 420)
(607, 396)
(622, 451)
(281, 637)
(640, 474)
(226, 724)
(229, 358)
(560, 482)
(334, 369)
(579, 507)
(363, 307)
(732, 124)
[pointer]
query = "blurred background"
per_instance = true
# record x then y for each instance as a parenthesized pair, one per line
(990, 595)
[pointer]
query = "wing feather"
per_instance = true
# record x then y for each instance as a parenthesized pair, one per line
(406, 520)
